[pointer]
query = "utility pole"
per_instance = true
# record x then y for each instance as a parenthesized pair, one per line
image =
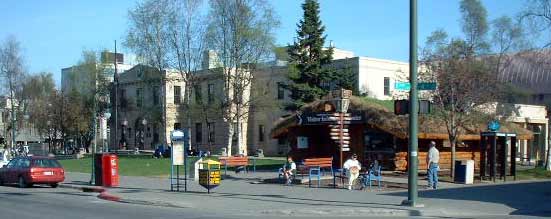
(413, 109)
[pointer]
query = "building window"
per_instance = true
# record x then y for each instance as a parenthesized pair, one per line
(210, 93)
(280, 91)
(155, 95)
(139, 97)
(210, 127)
(177, 94)
(177, 126)
(198, 94)
(198, 132)
(387, 86)
(261, 133)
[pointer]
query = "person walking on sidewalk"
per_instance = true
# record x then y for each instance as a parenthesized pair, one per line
(433, 157)
(352, 167)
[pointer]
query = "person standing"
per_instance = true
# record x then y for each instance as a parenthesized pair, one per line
(433, 157)
(352, 167)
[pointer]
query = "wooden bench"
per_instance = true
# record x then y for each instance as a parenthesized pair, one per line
(314, 166)
(234, 162)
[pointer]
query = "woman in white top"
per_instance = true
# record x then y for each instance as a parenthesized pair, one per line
(352, 167)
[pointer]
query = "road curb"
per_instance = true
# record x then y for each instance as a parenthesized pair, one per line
(103, 194)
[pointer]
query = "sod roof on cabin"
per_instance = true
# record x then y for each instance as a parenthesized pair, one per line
(383, 118)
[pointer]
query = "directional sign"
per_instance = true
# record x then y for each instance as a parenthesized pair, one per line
(345, 146)
(345, 149)
(346, 122)
(345, 142)
(345, 126)
(335, 137)
(426, 86)
(405, 86)
(338, 130)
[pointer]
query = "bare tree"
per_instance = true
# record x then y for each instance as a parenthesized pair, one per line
(186, 40)
(241, 32)
(13, 73)
(148, 36)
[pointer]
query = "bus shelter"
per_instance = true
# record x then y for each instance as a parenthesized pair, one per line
(498, 152)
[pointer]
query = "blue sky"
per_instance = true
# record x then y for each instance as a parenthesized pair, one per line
(53, 33)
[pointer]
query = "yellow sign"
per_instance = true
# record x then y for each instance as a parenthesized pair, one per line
(209, 178)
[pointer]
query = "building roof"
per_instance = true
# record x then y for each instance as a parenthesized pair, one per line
(528, 70)
(376, 115)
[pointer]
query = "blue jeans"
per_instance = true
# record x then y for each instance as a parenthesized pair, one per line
(432, 174)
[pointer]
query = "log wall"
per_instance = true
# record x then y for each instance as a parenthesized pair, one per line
(400, 160)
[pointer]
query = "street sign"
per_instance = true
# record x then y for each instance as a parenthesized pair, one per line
(335, 137)
(405, 86)
(426, 86)
(345, 149)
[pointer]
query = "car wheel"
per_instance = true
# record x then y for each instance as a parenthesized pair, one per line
(22, 183)
(54, 185)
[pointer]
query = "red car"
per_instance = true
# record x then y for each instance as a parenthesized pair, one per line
(26, 171)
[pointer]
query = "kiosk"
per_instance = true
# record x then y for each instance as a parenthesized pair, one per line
(180, 141)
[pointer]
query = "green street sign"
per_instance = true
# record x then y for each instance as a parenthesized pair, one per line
(426, 86)
(405, 86)
(402, 85)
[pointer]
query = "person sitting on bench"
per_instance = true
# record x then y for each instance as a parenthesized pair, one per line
(353, 169)
(289, 170)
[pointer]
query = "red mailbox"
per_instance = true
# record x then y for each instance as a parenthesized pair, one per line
(110, 170)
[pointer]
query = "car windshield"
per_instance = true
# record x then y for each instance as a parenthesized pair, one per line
(46, 163)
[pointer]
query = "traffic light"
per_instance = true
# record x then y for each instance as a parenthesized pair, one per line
(401, 107)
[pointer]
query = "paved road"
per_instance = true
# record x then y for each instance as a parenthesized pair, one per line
(241, 199)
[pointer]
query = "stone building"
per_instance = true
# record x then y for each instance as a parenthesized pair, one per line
(148, 107)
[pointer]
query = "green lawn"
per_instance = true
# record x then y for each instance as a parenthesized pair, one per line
(146, 166)
(536, 173)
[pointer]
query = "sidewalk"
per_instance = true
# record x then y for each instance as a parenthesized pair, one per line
(244, 194)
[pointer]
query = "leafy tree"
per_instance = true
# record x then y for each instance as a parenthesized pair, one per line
(464, 79)
(307, 59)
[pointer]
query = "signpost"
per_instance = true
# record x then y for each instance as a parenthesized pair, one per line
(179, 139)
(406, 86)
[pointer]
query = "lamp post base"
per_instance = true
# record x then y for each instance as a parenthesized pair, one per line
(410, 203)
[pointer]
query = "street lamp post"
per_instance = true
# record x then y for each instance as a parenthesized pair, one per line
(107, 116)
(123, 138)
(142, 135)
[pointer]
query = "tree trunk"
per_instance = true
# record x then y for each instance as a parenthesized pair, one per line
(452, 170)
(547, 164)
(230, 138)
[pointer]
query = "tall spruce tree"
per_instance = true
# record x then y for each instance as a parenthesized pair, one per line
(308, 61)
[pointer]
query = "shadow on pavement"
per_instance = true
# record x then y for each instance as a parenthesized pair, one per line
(319, 203)
(530, 198)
